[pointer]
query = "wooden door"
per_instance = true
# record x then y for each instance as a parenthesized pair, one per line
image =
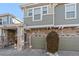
(52, 42)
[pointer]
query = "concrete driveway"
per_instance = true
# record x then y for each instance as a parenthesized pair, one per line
(34, 52)
(68, 53)
(26, 52)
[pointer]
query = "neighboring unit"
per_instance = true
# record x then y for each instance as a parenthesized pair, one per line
(10, 31)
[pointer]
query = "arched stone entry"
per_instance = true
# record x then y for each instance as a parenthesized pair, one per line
(52, 42)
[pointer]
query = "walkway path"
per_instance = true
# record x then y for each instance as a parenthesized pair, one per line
(34, 52)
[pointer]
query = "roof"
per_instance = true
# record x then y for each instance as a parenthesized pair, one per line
(8, 14)
(22, 5)
(59, 4)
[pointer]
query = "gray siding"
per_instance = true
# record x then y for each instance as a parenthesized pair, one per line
(60, 16)
(50, 10)
(46, 20)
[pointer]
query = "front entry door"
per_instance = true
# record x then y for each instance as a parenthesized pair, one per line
(52, 42)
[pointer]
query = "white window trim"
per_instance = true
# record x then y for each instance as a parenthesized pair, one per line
(40, 13)
(75, 12)
(47, 9)
(41, 7)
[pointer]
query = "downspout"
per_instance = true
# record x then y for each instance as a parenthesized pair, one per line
(53, 14)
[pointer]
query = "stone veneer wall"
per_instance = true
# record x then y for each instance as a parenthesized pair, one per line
(69, 37)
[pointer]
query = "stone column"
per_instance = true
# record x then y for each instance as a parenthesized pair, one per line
(4, 35)
(30, 45)
(20, 38)
(0, 38)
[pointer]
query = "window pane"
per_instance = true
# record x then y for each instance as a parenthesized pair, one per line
(44, 10)
(70, 7)
(71, 14)
(30, 12)
(37, 11)
(8, 20)
(70, 10)
(5, 20)
(0, 21)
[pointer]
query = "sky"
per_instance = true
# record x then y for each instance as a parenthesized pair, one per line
(12, 8)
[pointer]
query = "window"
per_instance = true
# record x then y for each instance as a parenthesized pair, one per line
(70, 11)
(37, 14)
(8, 22)
(30, 12)
(11, 20)
(5, 20)
(44, 10)
(0, 21)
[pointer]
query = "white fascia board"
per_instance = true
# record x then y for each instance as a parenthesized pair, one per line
(68, 25)
(39, 26)
(44, 26)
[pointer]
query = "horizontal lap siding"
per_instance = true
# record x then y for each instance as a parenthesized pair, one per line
(46, 20)
(60, 16)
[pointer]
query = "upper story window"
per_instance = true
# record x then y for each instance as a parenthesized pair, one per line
(0, 21)
(44, 10)
(5, 20)
(30, 12)
(37, 14)
(70, 11)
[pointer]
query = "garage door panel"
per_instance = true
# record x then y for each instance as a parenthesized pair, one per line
(38, 43)
(69, 43)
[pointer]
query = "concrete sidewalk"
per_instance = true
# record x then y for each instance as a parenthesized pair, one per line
(34, 52)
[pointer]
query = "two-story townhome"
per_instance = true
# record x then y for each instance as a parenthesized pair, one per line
(10, 30)
(42, 18)
(67, 16)
(38, 19)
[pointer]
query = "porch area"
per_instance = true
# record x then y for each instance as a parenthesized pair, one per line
(11, 36)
